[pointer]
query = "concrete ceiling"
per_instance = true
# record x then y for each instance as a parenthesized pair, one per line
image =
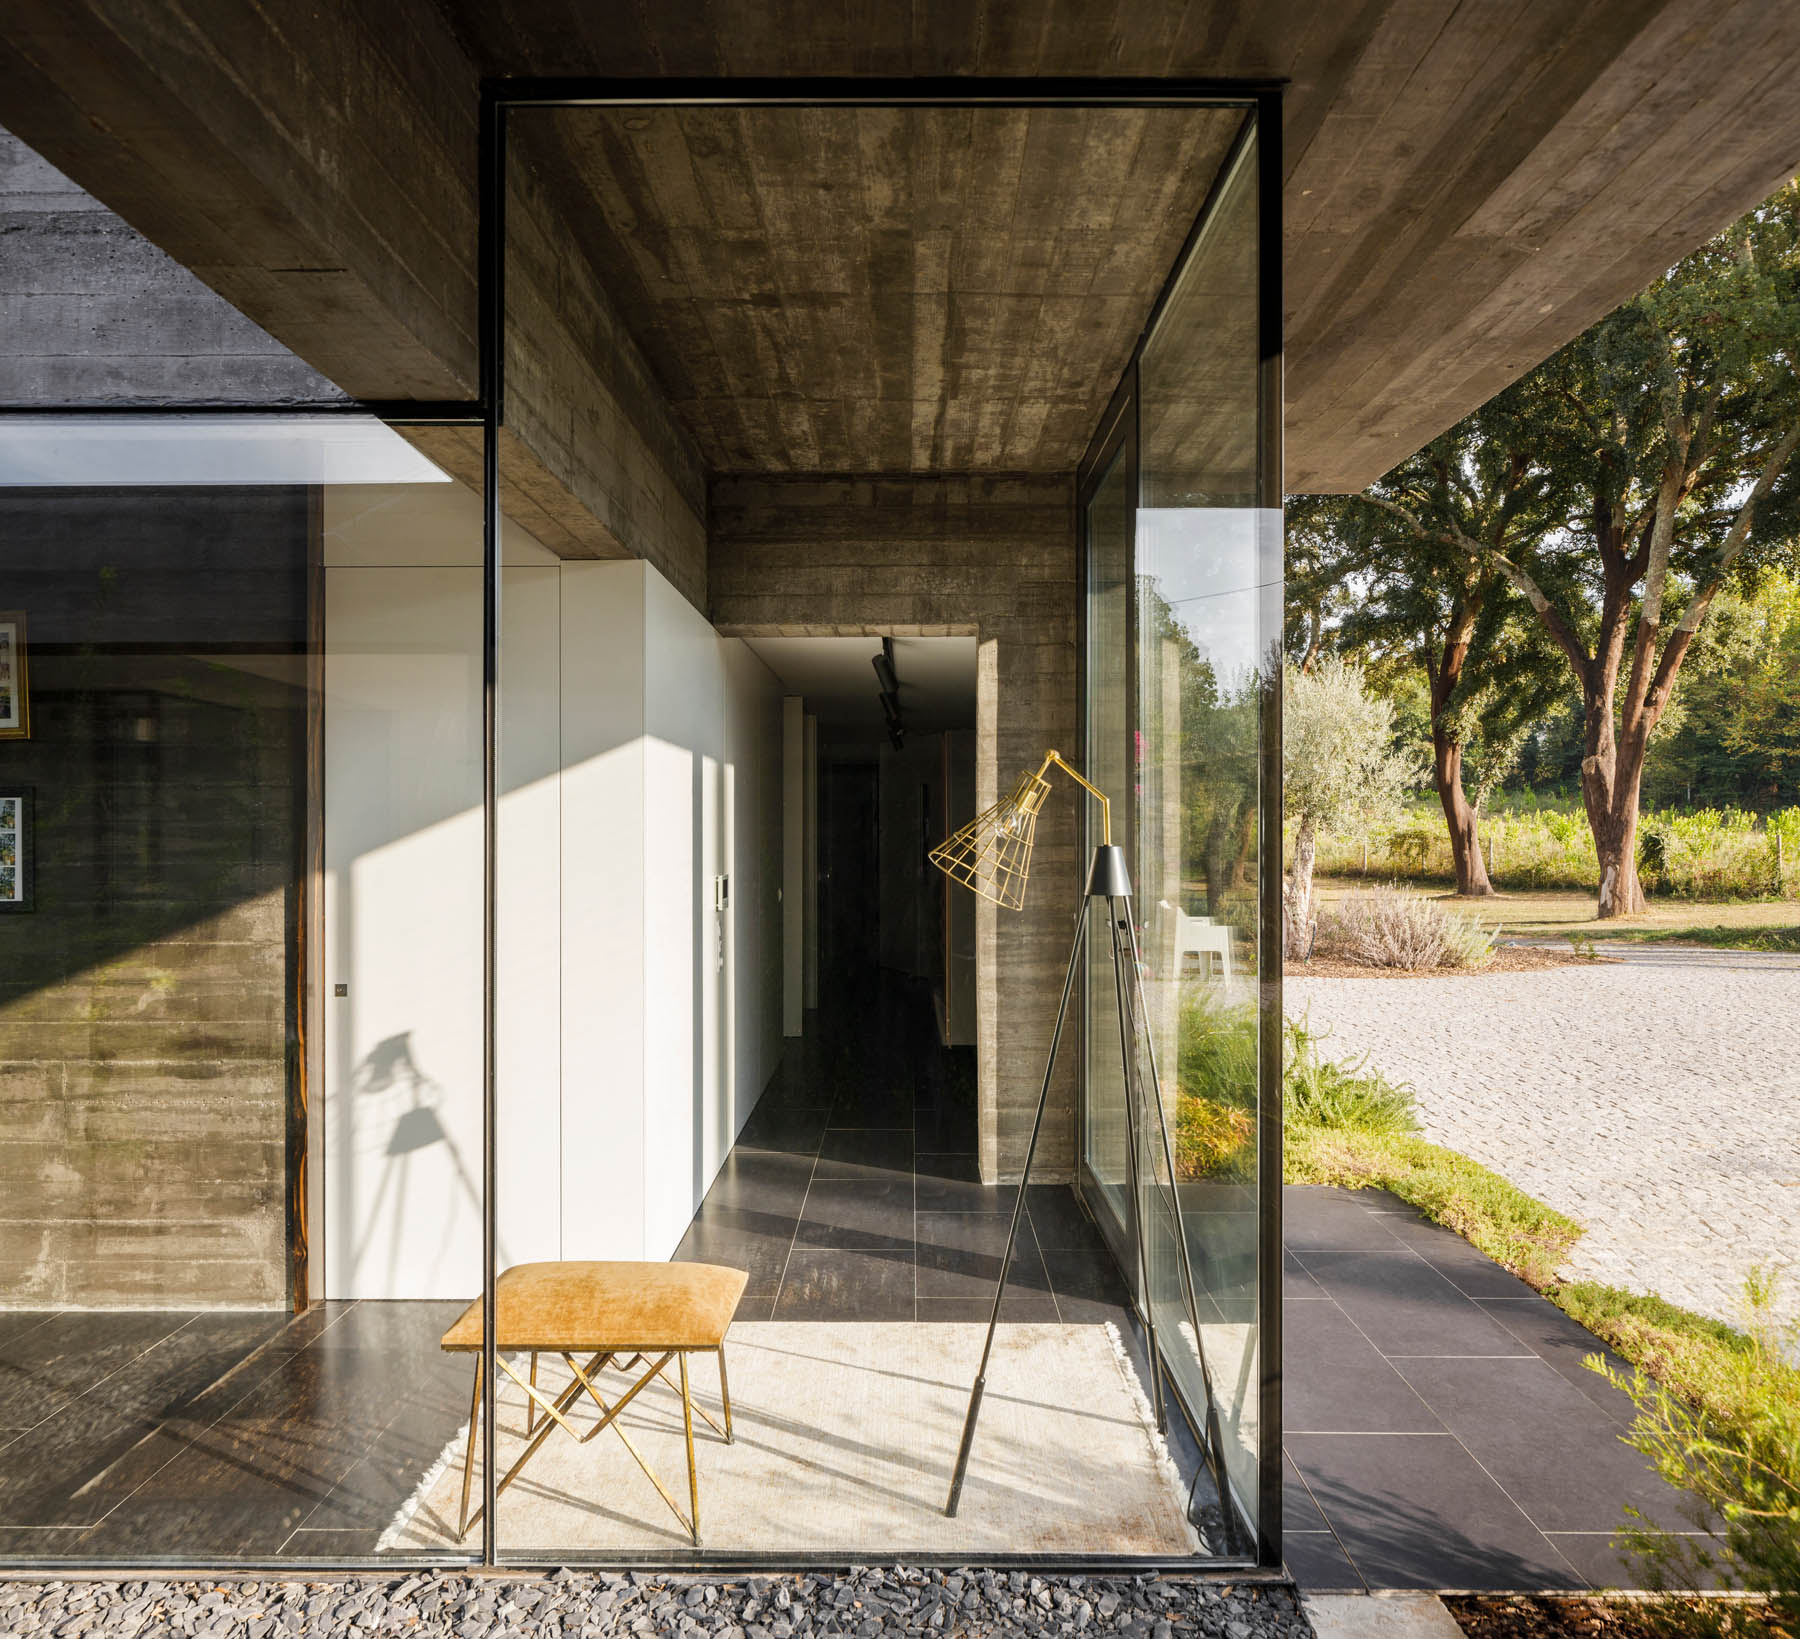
(937, 680)
(1469, 183)
(883, 290)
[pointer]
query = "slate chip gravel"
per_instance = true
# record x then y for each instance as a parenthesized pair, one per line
(868, 1603)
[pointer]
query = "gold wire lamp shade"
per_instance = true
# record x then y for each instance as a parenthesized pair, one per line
(991, 855)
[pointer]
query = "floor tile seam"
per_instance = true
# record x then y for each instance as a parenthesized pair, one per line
(1330, 1529)
(203, 1429)
(805, 1195)
(1524, 1513)
(1049, 1279)
(82, 1394)
(1350, 1319)
(1474, 1303)
(1529, 1355)
(400, 1408)
(1613, 1533)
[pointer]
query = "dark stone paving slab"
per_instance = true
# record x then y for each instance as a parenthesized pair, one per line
(865, 1603)
(1442, 1431)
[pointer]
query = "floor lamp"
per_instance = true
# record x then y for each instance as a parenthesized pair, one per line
(991, 856)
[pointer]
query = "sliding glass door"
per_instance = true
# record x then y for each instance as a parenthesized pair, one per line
(1106, 654)
(1182, 580)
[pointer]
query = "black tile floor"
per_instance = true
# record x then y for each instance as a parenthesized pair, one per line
(1441, 1431)
(854, 1192)
(133, 1435)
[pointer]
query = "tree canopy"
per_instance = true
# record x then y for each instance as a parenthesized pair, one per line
(1617, 492)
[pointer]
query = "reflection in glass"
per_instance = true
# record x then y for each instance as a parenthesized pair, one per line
(216, 1133)
(1207, 567)
(1108, 739)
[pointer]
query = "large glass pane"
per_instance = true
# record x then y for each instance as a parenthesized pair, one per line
(1108, 527)
(1208, 603)
(241, 1052)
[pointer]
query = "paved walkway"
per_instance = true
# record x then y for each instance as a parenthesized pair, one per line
(1441, 1430)
(1656, 1100)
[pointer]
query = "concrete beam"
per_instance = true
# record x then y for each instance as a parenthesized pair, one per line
(317, 170)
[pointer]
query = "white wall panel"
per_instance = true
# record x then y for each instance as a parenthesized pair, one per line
(403, 929)
(603, 973)
(528, 1159)
(753, 740)
(639, 1022)
(403, 932)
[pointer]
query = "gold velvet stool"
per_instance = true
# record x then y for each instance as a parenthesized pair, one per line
(651, 1312)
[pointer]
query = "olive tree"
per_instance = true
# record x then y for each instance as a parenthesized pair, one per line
(1339, 765)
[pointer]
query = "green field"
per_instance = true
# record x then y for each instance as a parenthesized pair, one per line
(1750, 925)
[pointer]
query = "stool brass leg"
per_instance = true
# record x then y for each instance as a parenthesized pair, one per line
(711, 1421)
(530, 1404)
(469, 1453)
(725, 1395)
(687, 1425)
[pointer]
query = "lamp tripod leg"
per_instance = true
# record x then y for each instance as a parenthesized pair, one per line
(1118, 911)
(1012, 1233)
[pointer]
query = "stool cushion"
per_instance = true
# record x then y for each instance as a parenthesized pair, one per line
(555, 1306)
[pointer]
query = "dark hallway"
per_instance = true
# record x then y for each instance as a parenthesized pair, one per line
(853, 1191)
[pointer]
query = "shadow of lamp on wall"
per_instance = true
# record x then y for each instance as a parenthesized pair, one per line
(991, 856)
(387, 1067)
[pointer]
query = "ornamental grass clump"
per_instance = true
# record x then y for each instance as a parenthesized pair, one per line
(1389, 928)
(1318, 1092)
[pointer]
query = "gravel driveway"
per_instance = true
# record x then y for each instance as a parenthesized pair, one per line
(1656, 1100)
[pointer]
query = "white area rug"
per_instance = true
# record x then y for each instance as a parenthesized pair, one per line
(846, 1436)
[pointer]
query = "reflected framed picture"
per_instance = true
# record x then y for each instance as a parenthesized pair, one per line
(17, 848)
(15, 691)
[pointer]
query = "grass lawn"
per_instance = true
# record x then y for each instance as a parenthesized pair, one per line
(1772, 924)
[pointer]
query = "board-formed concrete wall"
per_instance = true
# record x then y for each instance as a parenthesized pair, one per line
(146, 1023)
(937, 557)
(92, 313)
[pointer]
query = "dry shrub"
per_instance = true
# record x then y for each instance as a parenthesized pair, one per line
(1389, 928)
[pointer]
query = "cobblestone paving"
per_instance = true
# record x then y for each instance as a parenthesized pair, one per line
(583, 1605)
(1655, 1100)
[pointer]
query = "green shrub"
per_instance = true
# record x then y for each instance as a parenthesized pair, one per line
(1534, 844)
(1720, 1419)
(1318, 1092)
(1216, 1062)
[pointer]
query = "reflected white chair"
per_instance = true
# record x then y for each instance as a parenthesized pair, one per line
(1203, 937)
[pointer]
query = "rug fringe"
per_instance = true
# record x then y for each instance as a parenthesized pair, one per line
(389, 1540)
(1159, 1446)
(396, 1528)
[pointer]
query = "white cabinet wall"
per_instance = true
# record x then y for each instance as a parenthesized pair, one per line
(639, 982)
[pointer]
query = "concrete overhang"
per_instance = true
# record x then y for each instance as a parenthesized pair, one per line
(1469, 184)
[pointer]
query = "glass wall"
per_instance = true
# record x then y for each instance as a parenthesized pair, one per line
(221, 1097)
(1201, 676)
(1107, 627)
(1209, 604)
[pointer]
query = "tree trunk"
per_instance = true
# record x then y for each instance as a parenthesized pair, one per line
(1465, 841)
(1615, 842)
(1299, 913)
(1611, 775)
